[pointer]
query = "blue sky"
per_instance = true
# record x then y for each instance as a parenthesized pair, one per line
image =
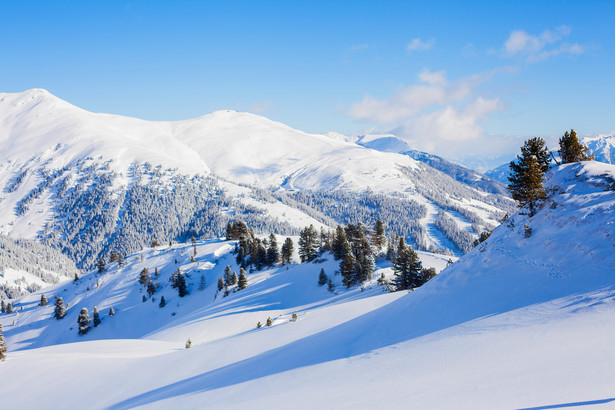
(460, 79)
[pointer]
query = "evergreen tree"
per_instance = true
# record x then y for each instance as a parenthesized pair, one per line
(287, 251)
(331, 286)
(347, 266)
(162, 302)
(151, 288)
(156, 272)
(188, 344)
(43, 300)
(76, 278)
(243, 279)
(526, 179)
(9, 308)
(273, 254)
(571, 150)
(144, 277)
(322, 278)
(367, 266)
(83, 321)
(181, 286)
(59, 311)
(234, 279)
(120, 260)
(96, 317)
(308, 244)
(144, 299)
(101, 266)
(337, 247)
(537, 147)
(220, 284)
(2, 345)
(407, 267)
(2, 306)
(228, 276)
(202, 282)
(379, 238)
(111, 311)
(269, 322)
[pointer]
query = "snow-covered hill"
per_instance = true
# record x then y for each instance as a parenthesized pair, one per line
(91, 184)
(602, 146)
(522, 321)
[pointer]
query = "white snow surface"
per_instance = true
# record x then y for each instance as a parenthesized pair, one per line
(519, 322)
(602, 146)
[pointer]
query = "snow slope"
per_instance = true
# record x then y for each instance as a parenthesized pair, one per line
(520, 322)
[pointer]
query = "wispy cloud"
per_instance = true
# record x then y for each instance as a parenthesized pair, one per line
(539, 47)
(358, 47)
(417, 45)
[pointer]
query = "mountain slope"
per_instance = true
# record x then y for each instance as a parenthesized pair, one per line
(530, 316)
(602, 146)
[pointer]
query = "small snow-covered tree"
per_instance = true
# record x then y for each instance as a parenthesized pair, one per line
(151, 288)
(2, 345)
(331, 286)
(234, 278)
(144, 276)
(243, 279)
(182, 290)
(59, 311)
(322, 278)
(269, 322)
(162, 302)
(111, 311)
(220, 284)
(9, 308)
(83, 321)
(43, 300)
(2, 307)
(101, 266)
(96, 317)
(202, 282)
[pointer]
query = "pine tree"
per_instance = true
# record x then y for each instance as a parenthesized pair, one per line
(188, 344)
(2, 306)
(228, 276)
(181, 286)
(273, 254)
(243, 279)
(407, 267)
(347, 266)
(537, 147)
(571, 150)
(202, 282)
(101, 266)
(96, 317)
(526, 179)
(308, 244)
(379, 238)
(162, 302)
(287, 251)
(367, 266)
(111, 311)
(331, 286)
(2, 345)
(151, 288)
(269, 322)
(156, 272)
(337, 247)
(234, 278)
(76, 278)
(83, 321)
(43, 300)
(220, 284)
(9, 308)
(59, 311)
(322, 278)
(120, 260)
(144, 277)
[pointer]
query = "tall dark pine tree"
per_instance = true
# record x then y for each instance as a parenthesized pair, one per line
(101, 265)
(571, 150)
(308, 244)
(347, 266)
(220, 284)
(407, 267)
(2, 307)
(151, 288)
(96, 317)
(9, 308)
(273, 254)
(59, 311)
(526, 183)
(83, 321)
(228, 276)
(537, 147)
(162, 302)
(337, 247)
(2, 345)
(322, 278)
(379, 238)
(287, 251)
(181, 286)
(243, 279)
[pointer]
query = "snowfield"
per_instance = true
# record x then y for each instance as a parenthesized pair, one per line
(522, 321)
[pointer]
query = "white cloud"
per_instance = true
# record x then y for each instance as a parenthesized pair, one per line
(417, 44)
(358, 47)
(539, 47)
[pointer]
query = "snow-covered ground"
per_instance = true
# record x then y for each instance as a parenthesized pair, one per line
(520, 322)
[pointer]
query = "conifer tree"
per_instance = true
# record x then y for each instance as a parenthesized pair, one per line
(2, 306)
(120, 260)
(331, 286)
(2, 345)
(234, 279)
(111, 311)
(347, 266)
(101, 266)
(379, 238)
(273, 254)
(181, 286)
(308, 244)
(151, 288)
(337, 247)
(156, 272)
(83, 321)
(162, 302)
(202, 282)
(96, 317)
(287, 251)
(59, 311)
(322, 278)
(243, 279)
(220, 284)
(407, 267)
(76, 278)
(571, 150)
(366, 268)
(537, 147)
(144, 277)
(43, 300)
(9, 308)
(228, 276)
(269, 322)
(526, 179)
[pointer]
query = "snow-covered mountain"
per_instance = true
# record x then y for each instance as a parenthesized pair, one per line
(522, 321)
(91, 184)
(602, 146)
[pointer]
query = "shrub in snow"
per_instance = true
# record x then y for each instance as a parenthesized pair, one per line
(269, 322)
(188, 344)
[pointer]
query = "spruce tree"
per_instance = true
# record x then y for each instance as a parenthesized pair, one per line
(337, 247)
(144, 277)
(151, 288)
(96, 317)
(83, 321)
(220, 284)
(367, 266)
(2, 306)
(9, 308)
(202, 282)
(59, 311)
(43, 300)
(379, 238)
(287, 251)
(269, 322)
(322, 278)
(76, 278)
(347, 267)
(407, 267)
(537, 147)
(111, 311)
(2, 345)
(156, 272)
(162, 302)
(101, 265)
(273, 254)
(308, 244)
(181, 286)
(571, 150)
(526, 180)
(331, 286)
(228, 276)
(234, 278)
(243, 279)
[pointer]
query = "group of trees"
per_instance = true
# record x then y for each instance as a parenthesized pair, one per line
(6, 307)
(409, 271)
(230, 279)
(527, 173)
(257, 253)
